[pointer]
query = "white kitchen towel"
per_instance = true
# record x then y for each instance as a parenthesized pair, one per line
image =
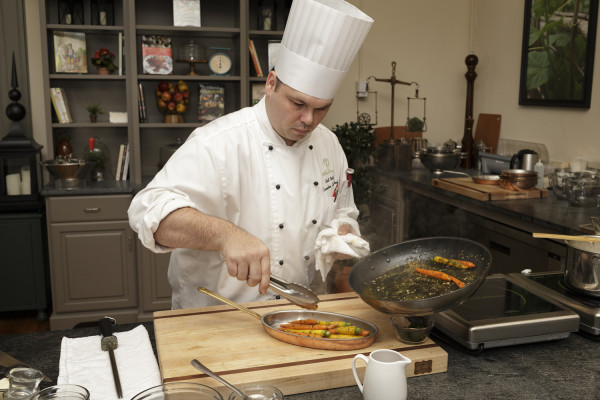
(329, 242)
(82, 362)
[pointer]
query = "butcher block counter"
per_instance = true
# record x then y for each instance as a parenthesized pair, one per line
(236, 346)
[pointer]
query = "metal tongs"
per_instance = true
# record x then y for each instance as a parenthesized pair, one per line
(297, 294)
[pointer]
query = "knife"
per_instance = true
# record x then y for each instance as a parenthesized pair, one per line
(109, 343)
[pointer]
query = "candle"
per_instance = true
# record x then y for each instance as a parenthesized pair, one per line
(102, 17)
(68, 19)
(25, 187)
(13, 184)
(25, 174)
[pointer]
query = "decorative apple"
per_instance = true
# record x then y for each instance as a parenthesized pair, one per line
(173, 99)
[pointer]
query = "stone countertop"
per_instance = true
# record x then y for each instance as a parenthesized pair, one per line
(550, 213)
(560, 369)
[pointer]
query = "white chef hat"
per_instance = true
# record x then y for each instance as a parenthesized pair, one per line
(320, 41)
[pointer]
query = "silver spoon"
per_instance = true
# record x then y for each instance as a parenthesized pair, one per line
(201, 367)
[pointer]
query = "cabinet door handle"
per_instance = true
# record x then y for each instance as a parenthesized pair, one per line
(91, 209)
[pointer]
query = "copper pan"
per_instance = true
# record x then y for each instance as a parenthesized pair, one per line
(271, 322)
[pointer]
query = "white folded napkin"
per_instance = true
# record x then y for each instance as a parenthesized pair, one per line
(82, 362)
(328, 242)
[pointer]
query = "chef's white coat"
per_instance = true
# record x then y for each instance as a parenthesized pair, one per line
(239, 169)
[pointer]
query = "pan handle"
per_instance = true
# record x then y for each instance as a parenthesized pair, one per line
(230, 302)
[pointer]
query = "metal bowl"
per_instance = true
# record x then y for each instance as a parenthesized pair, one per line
(438, 161)
(70, 172)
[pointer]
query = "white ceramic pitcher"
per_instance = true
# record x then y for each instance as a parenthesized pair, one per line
(385, 376)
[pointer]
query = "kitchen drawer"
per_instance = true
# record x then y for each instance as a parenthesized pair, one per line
(87, 208)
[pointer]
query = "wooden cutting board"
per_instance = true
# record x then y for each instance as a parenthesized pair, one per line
(478, 191)
(236, 346)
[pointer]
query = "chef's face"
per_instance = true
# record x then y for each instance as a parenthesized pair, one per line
(293, 114)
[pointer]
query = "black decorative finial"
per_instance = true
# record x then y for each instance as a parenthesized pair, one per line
(15, 111)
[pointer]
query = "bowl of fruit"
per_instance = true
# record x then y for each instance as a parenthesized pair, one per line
(173, 100)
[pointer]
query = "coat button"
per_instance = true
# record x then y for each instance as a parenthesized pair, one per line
(280, 262)
(314, 221)
(307, 258)
(270, 147)
(310, 147)
(277, 187)
(316, 183)
(280, 226)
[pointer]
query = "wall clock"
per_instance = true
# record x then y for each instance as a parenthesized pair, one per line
(220, 63)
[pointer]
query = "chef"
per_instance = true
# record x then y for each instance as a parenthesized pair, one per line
(247, 194)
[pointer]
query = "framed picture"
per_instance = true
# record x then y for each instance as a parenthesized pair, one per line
(557, 59)
(70, 55)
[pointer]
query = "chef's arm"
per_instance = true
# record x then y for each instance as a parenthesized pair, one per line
(246, 256)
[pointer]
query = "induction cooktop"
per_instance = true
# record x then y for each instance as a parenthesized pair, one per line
(552, 284)
(502, 312)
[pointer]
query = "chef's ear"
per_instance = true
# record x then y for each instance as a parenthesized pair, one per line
(271, 83)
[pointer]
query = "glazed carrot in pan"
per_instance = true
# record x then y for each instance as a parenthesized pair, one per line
(440, 275)
(454, 263)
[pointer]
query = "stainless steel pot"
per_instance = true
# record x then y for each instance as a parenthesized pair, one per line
(582, 271)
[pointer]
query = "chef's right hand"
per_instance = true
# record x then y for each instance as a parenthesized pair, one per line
(247, 259)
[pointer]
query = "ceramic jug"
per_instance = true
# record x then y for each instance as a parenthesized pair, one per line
(385, 375)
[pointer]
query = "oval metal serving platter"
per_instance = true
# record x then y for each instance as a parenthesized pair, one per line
(272, 321)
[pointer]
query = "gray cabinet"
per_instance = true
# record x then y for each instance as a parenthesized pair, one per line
(23, 268)
(92, 260)
(155, 290)
(386, 209)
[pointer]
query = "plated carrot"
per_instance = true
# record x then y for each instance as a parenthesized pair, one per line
(347, 330)
(306, 326)
(440, 275)
(454, 263)
(323, 332)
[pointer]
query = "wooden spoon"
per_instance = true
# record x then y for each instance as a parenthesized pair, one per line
(589, 239)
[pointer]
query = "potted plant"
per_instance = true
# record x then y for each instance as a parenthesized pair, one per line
(358, 142)
(103, 60)
(94, 109)
(415, 124)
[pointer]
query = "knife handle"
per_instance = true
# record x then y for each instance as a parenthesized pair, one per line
(106, 326)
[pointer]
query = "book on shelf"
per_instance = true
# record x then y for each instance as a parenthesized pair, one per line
(211, 102)
(70, 55)
(141, 104)
(61, 105)
(121, 55)
(120, 159)
(272, 47)
(258, 91)
(186, 13)
(157, 55)
(254, 57)
(125, 164)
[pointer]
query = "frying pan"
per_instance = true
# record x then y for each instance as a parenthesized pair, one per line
(271, 322)
(379, 262)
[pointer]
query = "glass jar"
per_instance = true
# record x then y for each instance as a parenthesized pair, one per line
(558, 179)
(23, 382)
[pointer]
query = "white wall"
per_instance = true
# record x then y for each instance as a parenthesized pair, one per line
(429, 39)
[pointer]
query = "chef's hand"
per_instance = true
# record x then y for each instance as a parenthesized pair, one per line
(342, 230)
(247, 259)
